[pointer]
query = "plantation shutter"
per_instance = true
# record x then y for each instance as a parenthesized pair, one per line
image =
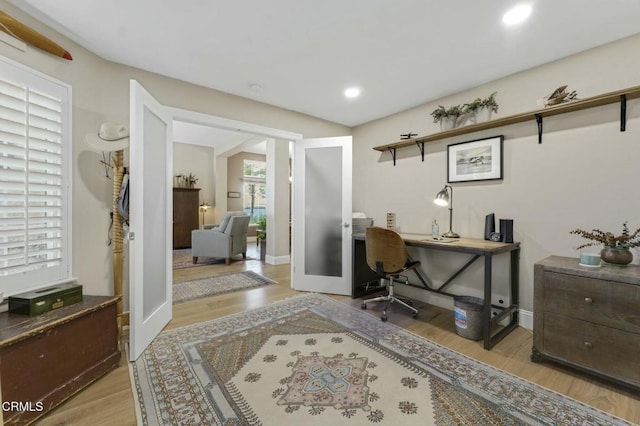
(34, 180)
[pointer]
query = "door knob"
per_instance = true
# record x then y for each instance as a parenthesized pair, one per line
(347, 224)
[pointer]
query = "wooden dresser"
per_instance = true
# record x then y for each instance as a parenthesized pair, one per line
(588, 318)
(185, 215)
(48, 358)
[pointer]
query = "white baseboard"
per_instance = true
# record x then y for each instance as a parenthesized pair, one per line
(277, 260)
(525, 319)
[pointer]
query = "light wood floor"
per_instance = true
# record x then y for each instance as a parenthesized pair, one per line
(109, 401)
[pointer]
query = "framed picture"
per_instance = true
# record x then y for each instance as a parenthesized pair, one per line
(233, 195)
(480, 159)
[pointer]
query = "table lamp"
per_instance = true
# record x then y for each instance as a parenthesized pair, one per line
(444, 199)
(203, 208)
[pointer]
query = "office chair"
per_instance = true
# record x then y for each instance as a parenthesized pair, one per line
(387, 257)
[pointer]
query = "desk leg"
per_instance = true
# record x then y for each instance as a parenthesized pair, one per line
(486, 312)
(515, 283)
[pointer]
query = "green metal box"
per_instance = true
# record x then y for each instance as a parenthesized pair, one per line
(43, 300)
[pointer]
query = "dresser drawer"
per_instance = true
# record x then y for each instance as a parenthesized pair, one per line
(606, 351)
(597, 301)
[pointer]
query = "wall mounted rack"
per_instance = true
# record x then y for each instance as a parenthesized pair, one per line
(608, 98)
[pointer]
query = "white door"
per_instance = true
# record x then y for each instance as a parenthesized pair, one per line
(322, 215)
(151, 198)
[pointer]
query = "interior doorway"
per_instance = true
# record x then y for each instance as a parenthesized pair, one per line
(234, 137)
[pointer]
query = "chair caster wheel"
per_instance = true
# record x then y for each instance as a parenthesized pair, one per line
(415, 316)
(363, 306)
(383, 318)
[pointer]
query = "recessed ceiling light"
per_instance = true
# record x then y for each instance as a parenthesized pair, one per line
(352, 92)
(516, 15)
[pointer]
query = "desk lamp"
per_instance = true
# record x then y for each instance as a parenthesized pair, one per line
(203, 208)
(444, 199)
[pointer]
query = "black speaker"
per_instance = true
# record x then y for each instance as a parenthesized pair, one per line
(489, 225)
(506, 229)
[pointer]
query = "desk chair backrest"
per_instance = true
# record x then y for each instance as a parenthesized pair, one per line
(385, 247)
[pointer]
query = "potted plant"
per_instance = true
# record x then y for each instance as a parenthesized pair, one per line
(446, 117)
(262, 237)
(616, 247)
(485, 107)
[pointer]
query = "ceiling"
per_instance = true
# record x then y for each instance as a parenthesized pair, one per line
(302, 54)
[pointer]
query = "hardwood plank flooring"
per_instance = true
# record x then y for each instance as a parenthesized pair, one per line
(109, 401)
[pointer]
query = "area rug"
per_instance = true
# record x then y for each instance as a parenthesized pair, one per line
(182, 259)
(311, 360)
(218, 284)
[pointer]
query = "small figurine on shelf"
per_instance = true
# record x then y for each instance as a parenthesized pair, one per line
(408, 135)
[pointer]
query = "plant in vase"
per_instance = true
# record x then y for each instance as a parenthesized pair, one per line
(486, 107)
(616, 247)
(446, 117)
(262, 236)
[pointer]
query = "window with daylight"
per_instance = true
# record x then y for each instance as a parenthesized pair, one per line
(35, 179)
(254, 189)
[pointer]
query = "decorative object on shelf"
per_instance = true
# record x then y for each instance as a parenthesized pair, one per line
(232, 194)
(435, 229)
(444, 198)
(22, 32)
(558, 96)
(203, 208)
(407, 136)
(480, 110)
(476, 160)
(185, 181)
(616, 248)
(592, 260)
(446, 117)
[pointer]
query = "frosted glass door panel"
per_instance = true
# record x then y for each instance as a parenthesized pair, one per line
(155, 201)
(323, 212)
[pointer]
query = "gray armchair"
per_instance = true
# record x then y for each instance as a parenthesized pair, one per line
(225, 240)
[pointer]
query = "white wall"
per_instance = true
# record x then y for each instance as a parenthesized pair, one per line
(585, 174)
(198, 160)
(101, 93)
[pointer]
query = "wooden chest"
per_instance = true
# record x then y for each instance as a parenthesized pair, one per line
(48, 358)
(588, 318)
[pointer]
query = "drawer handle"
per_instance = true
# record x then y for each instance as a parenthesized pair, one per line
(588, 345)
(588, 300)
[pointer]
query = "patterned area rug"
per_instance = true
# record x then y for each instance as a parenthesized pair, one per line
(311, 360)
(217, 284)
(182, 259)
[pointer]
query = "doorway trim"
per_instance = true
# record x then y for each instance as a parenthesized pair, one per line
(228, 124)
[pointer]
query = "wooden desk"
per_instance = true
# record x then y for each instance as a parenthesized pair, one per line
(48, 358)
(477, 248)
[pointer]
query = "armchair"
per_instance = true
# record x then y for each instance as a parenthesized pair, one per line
(225, 240)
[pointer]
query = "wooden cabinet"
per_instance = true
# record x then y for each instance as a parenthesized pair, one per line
(588, 318)
(185, 215)
(48, 358)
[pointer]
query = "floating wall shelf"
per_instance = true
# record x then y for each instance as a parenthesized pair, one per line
(595, 101)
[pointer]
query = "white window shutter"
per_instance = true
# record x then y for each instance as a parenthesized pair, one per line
(34, 179)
